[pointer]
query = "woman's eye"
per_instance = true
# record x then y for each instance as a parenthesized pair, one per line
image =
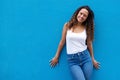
(85, 15)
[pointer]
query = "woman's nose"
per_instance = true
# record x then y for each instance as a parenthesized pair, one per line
(82, 15)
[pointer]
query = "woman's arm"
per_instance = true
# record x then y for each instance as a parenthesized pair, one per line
(90, 48)
(55, 59)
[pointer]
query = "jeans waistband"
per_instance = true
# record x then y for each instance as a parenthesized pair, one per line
(78, 53)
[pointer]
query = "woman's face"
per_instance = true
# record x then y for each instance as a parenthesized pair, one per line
(82, 15)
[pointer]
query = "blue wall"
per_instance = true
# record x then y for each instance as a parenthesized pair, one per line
(30, 31)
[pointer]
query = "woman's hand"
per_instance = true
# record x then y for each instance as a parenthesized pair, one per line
(96, 64)
(53, 62)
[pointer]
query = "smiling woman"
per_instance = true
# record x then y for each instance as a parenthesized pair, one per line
(79, 46)
(31, 29)
(82, 15)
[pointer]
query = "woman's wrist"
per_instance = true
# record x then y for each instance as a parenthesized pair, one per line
(56, 56)
(93, 59)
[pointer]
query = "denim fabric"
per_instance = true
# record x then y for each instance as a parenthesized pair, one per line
(80, 65)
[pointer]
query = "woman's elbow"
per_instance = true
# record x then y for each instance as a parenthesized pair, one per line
(62, 42)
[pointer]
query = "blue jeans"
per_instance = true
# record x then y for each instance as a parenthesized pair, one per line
(80, 65)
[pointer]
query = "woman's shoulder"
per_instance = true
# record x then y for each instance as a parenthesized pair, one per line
(66, 25)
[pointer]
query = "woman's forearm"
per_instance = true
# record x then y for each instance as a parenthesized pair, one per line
(60, 46)
(90, 48)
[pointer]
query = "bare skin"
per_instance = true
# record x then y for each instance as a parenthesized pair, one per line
(81, 17)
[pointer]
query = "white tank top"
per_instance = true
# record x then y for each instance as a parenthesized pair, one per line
(76, 42)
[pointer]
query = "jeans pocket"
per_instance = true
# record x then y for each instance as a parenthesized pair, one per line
(85, 55)
(70, 57)
(86, 52)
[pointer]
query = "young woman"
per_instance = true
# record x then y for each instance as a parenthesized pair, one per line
(78, 35)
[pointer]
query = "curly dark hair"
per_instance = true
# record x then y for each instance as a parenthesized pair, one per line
(89, 22)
